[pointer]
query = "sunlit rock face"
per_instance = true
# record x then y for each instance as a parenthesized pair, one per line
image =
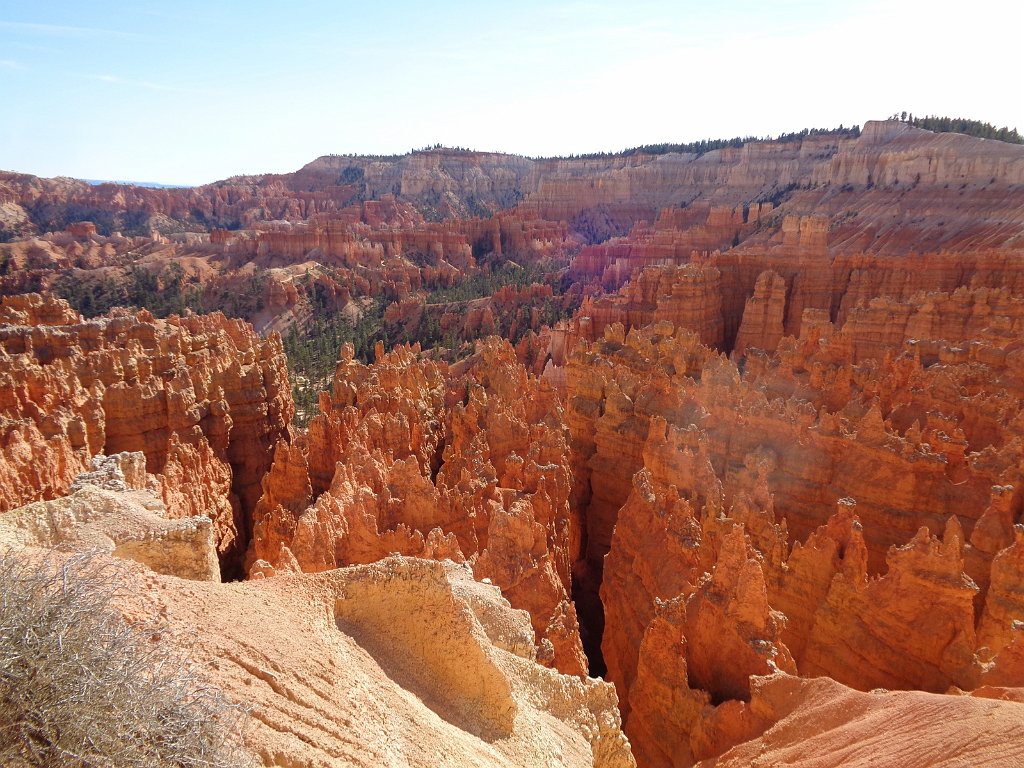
(203, 398)
(876, 500)
(115, 508)
(465, 462)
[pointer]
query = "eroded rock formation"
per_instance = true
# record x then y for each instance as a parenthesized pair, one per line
(403, 660)
(822, 723)
(115, 508)
(203, 398)
(679, 457)
(777, 452)
(467, 462)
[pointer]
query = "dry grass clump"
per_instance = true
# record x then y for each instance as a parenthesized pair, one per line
(79, 686)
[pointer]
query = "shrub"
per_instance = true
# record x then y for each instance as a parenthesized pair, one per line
(80, 686)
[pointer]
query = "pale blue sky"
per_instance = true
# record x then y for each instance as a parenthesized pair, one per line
(199, 91)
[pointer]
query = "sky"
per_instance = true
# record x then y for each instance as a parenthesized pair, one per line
(191, 92)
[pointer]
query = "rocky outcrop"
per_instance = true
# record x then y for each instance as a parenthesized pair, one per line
(114, 508)
(202, 398)
(826, 431)
(360, 242)
(841, 241)
(677, 236)
(654, 526)
(765, 289)
(459, 184)
(915, 624)
(689, 296)
(842, 221)
(781, 436)
(405, 660)
(1004, 603)
(889, 152)
(608, 431)
(965, 315)
(697, 656)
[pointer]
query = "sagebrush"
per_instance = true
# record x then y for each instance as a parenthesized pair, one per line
(80, 686)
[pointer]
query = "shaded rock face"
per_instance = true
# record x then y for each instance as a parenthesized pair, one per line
(467, 462)
(763, 315)
(202, 398)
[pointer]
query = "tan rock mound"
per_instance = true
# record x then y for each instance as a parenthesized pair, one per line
(402, 662)
(111, 509)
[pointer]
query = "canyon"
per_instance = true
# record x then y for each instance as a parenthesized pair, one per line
(740, 432)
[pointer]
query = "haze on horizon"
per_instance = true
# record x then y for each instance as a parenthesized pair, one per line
(193, 92)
